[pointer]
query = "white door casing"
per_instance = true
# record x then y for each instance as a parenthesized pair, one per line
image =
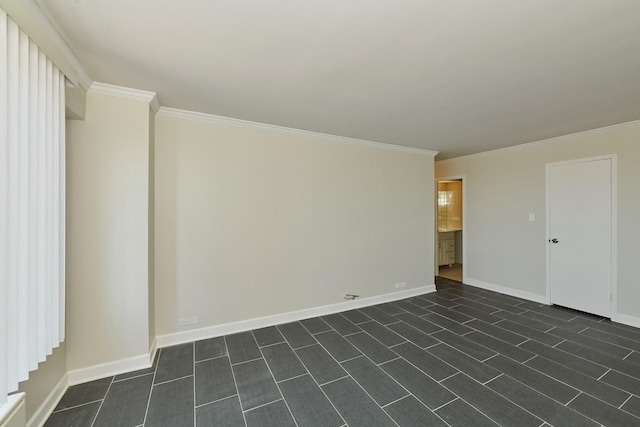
(581, 223)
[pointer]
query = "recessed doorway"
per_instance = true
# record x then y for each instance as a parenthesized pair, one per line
(449, 248)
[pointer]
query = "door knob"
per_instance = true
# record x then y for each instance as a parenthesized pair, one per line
(553, 240)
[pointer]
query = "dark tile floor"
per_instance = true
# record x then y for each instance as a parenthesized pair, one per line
(460, 357)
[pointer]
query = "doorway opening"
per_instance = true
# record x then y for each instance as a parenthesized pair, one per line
(449, 237)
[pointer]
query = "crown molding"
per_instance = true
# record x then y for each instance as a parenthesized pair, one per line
(221, 120)
(127, 93)
(554, 140)
(40, 27)
(155, 104)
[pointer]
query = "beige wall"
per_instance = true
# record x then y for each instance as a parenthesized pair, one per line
(251, 223)
(503, 187)
(43, 380)
(107, 232)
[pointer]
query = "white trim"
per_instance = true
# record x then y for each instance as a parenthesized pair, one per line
(124, 92)
(46, 408)
(12, 412)
(228, 121)
(276, 319)
(33, 10)
(628, 320)
(154, 104)
(553, 140)
(614, 226)
(153, 348)
(507, 291)
(108, 369)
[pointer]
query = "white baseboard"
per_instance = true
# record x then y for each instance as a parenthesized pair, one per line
(292, 316)
(628, 320)
(44, 411)
(542, 299)
(103, 370)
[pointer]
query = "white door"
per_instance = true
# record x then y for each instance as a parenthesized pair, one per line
(580, 239)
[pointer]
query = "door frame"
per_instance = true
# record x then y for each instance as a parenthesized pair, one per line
(464, 223)
(614, 226)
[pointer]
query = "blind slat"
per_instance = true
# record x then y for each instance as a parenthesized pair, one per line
(4, 179)
(32, 179)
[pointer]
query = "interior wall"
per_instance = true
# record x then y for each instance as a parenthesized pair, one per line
(107, 232)
(43, 380)
(502, 187)
(252, 223)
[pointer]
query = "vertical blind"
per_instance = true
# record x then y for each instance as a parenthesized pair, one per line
(32, 206)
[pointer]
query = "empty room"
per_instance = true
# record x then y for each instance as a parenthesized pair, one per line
(342, 213)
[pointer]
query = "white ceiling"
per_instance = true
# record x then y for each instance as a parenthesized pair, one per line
(458, 76)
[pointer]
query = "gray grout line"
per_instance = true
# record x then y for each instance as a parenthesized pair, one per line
(403, 342)
(574, 398)
(76, 406)
(131, 378)
(442, 406)
(95, 417)
(630, 353)
(332, 381)
(444, 379)
(581, 331)
(494, 378)
(448, 403)
(488, 358)
(172, 380)
(350, 359)
(623, 403)
(146, 412)
(210, 358)
(269, 345)
(305, 346)
(292, 378)
(554, 346)
(265, 404)
(246, 361)
(602, 376)
(218, 400)
(235, 382)
(387, 361)
(397, 400)
(193, 367)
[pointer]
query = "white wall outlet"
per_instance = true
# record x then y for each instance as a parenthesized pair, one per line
(532, 217)
(186, 321)
(401, 285)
